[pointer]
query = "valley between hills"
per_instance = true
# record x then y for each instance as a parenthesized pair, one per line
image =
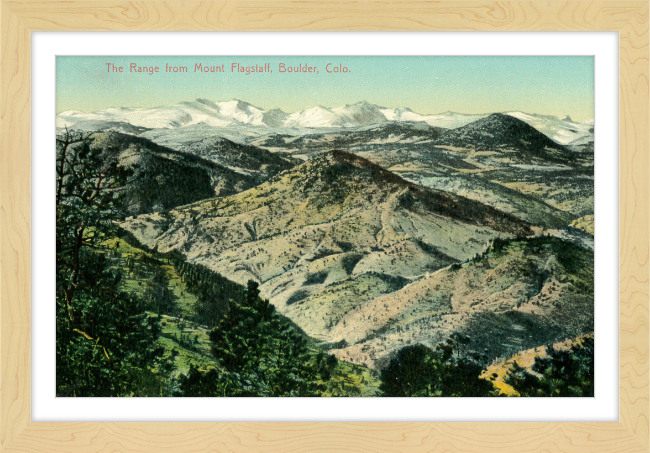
(369, 229)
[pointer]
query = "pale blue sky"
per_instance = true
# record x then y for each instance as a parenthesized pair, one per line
(546, 85)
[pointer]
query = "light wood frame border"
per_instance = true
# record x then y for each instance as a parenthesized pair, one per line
(19, 434)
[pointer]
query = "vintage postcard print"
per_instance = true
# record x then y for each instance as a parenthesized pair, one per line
(324, 226)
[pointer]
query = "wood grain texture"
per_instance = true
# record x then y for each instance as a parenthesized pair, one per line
(15, 250)
(19, 434)
(633, 227)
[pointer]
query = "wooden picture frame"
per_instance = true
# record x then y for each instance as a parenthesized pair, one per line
(20, 18)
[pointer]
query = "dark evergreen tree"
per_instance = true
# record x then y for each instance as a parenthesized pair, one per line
(420, 371)
(215, 293)
(258, 353)
(203, 383)
(268, 354)
(559, 373)
(158, 295)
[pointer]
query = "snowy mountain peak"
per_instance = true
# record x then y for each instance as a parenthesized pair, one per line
(564, 131)
(237, 104)
(237, 113)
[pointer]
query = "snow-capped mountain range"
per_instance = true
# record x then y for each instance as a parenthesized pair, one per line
(237, 113)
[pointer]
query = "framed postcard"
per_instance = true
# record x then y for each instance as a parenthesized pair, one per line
(225, 225)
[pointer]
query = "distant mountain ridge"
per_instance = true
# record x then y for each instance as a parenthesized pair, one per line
(499, 131)
(162, 178)
(165, 178)
(245, 159)
(238, 113)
